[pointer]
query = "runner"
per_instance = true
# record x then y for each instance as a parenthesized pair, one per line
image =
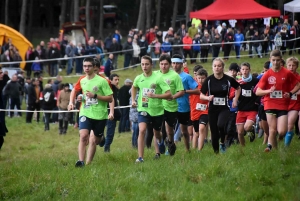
(93, 111)
(190, 87)
(247, 105)
(294, 107)
(202, 107)
(277, 85)
(217, 86)
(170, 105)
(152, 90)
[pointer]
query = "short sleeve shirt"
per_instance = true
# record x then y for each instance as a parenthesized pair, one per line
(284, 81)
(92, 107)
(188, 84)
(174, 81)
(154, 84)
(197, 106)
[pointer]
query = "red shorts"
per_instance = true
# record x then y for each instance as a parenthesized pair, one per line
(243, 116)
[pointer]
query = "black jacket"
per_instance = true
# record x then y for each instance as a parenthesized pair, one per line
(124, 95)
(48, 100)
(32, 96)
(13, 89)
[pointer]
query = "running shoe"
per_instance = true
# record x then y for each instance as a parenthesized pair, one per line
(269, 148)
(157, 156)
(139, 160)
(162, 147)
(222, 148)
(171, 147)
(102, 143)
(79, 164)
(260, 133)
(167, 153)
(288, 138)
(251, 134)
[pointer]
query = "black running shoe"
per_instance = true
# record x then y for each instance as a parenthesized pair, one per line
(157, 156)
(171, 148)
(79, 164)
(102, 143)
(251, 134)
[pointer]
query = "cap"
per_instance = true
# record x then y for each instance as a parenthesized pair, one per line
(224, 24)
(128, 81)
(234, 66)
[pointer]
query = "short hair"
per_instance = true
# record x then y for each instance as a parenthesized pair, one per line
(165, 57)
(47, 86)
(111, 77)
(201, 72)
(267, 64)
(66, 85)
(276, 53)
(89, 59)
(246, 64)
(294, 60)
(96, 63)
(220, 60)
(49, 81)
(146, 57)
(197, 67)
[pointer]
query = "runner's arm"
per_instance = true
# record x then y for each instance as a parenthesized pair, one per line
(260, 92)
(72, 96)
(178, 94)
(192, 91)
(108, 98)
(296, 88)
(166, 95)
(112, 107)
(133, 94)
(205, 97)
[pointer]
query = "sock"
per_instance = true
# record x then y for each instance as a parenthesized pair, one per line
(269, 146)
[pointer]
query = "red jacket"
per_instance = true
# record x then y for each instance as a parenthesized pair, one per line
(150, 37)
(187, 42)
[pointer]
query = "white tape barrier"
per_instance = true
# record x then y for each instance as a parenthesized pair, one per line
(54, 111)
(122, 51)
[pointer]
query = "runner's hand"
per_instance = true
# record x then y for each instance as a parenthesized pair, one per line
(70, 106)
(272, 89)
(133, 104)
(211, 98)
(234, 103)
(286, 95)
(89, 94)
(110, 116)
(150, 95)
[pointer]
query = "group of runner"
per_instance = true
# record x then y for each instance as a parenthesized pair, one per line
(170, 95)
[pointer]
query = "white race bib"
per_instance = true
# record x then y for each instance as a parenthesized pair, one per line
(91, 101)
(246, 93)
(294, 97)
(219, 101)
(276, 94)
(146, 91)
(201, 107)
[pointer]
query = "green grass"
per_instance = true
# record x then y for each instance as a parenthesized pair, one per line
(38, 165)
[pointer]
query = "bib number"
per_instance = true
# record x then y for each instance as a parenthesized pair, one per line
(146, 91)
(219, 101)
(276, 94)
(91, 101)
(294, 97)
(201, 107)
(246, 93)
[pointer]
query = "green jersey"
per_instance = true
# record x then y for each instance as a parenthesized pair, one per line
(92, 107)
(154, 84)
(174, 81)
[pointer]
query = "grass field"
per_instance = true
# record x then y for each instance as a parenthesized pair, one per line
(38, 165)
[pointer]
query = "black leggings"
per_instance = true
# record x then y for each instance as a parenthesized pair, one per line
(217, 122)
(1, 141)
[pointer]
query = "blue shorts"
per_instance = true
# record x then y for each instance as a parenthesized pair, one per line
(156, 120)
(95, 125)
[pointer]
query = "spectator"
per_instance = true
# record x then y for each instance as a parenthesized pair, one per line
(90, 48)
(182, 31)
(256, 45)
(284, 37)
(166, 47)
(115, 48)
(143, 45)
(187, 45)
(192, 31)
(228, 39)
(128, 52)
(133, 117)
(266, 39)
(206, 41)
(3, 130)
(155, 50)
(109, 65)
(54, 53)
(117, 36)
(79, 51)
(238, 38)
(36, 67)
(216, 47)
(13, 89)
(63, 46)
(249, 37)
(108, 42)
(177, 45)
(150, 36)
(196, 48)
(33, 100)
(21, 80)
(70, 52)
(136, 52)
(47, 102)
(29, 56)
(63, 100)
(124, 101)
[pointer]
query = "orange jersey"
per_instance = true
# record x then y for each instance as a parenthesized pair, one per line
(284, 81)
(197, 106)
(295, 99)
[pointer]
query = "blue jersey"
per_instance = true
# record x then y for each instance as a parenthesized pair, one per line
(188, 84)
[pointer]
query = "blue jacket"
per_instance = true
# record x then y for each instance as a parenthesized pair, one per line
(238, 38)
(166, 47)
(196, 45)
(36, 66)
(108, 67)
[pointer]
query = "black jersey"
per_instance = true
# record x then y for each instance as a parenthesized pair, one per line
(248, 101)
(220, 89)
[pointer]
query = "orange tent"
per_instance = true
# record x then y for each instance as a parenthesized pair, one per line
(18, 40)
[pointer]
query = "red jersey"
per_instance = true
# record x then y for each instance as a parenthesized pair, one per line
(295, 99)
(197, 106)
(284, 81)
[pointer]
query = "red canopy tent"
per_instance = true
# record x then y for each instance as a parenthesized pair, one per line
(234, 9)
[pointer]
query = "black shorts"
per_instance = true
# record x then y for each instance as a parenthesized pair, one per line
(261, 113)
(170, 118)
(184, 118)
(202, 120)
(144, 117)
(277, 113)
(92, 124)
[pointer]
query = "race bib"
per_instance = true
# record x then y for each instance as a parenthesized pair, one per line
(276, 94)
(201, 107)
(91, 101)
(246, 93)
(146, 91)
(219, 101)
(294, 97)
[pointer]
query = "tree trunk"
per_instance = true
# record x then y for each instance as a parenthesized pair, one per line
(280, 4)
(148, 11)
(157, 21)
(6, 12)
(72, 11)
(87, 17)
(76, 10)
(29, 32)
(188, 9)
(175, 9)
(23, 17)
(101, 21)
(62, 19)
(141, 19)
